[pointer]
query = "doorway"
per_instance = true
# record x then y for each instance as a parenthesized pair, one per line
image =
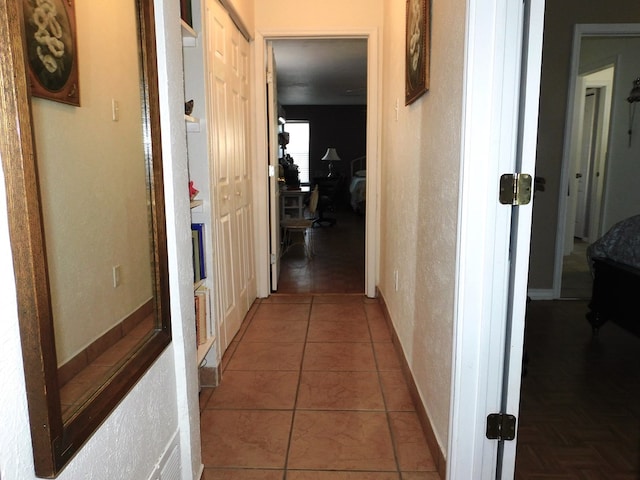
(603, 63)
(589, 146)
(322, 82)
(369, 146)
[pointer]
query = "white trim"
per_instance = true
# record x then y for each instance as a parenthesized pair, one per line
(491, 293)
(374, 93)
(580, 30)
(541, 294)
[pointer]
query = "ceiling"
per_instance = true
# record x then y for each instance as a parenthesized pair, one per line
(321, 71)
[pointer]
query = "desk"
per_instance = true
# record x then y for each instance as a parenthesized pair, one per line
(292, 202)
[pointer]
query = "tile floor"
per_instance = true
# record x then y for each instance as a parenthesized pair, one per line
(312, 390)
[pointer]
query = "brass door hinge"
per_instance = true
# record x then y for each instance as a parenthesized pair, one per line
(515, 189)
(501, 426)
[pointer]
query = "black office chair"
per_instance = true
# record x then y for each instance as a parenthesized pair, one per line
(329, 190)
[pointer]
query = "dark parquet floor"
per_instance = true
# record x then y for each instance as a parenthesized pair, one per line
(580, 404)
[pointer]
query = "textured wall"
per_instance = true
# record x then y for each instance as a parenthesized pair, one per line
(421, 164)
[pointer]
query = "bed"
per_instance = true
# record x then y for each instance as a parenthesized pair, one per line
(358, 185)
(615, 264)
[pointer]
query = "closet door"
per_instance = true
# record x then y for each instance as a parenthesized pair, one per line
(241, 169)
(221, 147)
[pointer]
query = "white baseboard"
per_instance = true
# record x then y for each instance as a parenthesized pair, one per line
(541, 293)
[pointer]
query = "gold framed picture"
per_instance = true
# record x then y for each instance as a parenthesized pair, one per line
(417, 49)
(52, 53)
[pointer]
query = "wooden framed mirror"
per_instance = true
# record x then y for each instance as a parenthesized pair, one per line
(49, 255)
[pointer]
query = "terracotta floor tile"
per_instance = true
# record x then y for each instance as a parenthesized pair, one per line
(338, 298)
(379, 331)
(411, 445)
(281, 331)
(338, 312)
(310, 475)
(420, 476)
(227, 355)
(256, 389)
(267, 356)
(338, 331)
(241, 474)
(282, 311)
(245, 438)
(349, 357)
(386, 356)
(395, 391)
(341, 441)
(287, 298)
(204, 396)
(340, 391)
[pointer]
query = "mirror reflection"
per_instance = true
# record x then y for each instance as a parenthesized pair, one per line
(95, 204)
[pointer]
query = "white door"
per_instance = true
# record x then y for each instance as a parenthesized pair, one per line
(274, 188)
(501, 92)
(589, 126)
(221, 144)
(242, 199)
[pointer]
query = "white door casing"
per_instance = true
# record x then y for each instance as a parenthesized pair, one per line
(274, 187)
(500, 113)
(261, 179)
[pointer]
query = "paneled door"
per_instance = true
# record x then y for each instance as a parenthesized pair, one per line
(228, 118)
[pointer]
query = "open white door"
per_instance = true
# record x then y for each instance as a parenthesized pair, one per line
(274, 188)
(501, 92)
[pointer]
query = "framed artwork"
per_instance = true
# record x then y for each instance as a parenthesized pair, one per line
(417, 49)
(52, 53)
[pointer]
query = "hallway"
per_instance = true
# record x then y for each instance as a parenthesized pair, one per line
(313, 389)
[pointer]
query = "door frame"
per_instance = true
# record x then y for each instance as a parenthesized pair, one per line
(501, 85)
(580, 30)
(261, 174)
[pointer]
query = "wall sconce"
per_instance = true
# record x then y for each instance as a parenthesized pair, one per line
(633, 98)
(331, 156)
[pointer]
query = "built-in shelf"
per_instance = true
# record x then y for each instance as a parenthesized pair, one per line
(189, 35)
(203, 349)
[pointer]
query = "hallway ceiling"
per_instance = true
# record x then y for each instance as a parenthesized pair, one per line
(321, 71)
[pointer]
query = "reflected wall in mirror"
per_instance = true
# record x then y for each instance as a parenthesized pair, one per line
(87, 224)
(94, 205)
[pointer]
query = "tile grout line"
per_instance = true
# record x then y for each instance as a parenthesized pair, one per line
(295, 400)
(384, 399)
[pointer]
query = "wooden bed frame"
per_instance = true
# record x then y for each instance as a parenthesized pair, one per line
(615, 296)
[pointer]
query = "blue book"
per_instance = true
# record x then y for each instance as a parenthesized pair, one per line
(199, 229)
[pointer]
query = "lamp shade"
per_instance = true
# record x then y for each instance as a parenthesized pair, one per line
(331, 155)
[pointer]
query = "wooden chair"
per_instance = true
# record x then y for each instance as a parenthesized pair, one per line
(298, 231)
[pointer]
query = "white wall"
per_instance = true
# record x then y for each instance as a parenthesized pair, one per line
(165, 401)
(622, 195)
(420, 175)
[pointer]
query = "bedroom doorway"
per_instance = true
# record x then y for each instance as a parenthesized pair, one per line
(589, 145)
(323, 83)
(596, 73)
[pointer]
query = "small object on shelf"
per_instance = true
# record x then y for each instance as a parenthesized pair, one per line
(188, 107)
(193, 191)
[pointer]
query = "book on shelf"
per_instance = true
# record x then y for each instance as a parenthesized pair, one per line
(202, 308)
(197, 233)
